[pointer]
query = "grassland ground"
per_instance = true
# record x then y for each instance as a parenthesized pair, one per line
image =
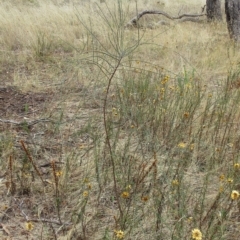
(108, 132)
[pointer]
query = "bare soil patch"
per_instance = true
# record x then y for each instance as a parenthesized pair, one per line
(15, 103)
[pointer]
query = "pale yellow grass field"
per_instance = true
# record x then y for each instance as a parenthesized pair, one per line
(180, 46)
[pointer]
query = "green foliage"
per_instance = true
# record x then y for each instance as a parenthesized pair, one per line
(42, 46)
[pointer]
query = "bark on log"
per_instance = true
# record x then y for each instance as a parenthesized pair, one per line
(232, 10)
(213, 8)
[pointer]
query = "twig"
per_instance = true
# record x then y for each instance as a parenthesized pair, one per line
(133, 22)
(50, 164)
(49, 221)
(153, 166)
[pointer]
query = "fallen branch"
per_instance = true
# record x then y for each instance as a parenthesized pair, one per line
(191, 20)
(133, 22)
(25, 123)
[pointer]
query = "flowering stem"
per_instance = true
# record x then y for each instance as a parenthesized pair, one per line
(31, 160)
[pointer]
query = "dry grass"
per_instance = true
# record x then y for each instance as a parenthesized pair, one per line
(142, 142)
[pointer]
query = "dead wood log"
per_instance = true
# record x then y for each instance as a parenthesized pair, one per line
(134, 22)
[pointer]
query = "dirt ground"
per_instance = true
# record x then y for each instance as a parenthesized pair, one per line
(15, 103)
(16, 107)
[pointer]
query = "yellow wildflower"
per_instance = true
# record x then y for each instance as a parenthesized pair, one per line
(182, 145)
(125, 194)
(196, 234)
(222, 177)
(175, 182)
(59, 173)
(236, 165)
(230, 180)
(119, 234)
(29, 226)
(192, 146)
(235, 195)
(85, 193)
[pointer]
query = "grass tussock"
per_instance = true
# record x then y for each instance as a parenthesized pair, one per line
(139, 137)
